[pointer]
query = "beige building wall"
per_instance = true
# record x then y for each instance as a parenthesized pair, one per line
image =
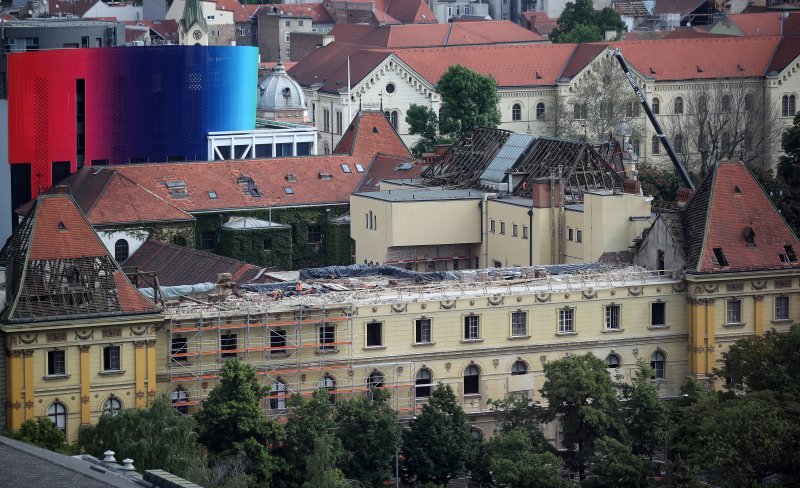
(612, 221)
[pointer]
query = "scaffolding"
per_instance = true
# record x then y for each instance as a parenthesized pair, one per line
(295, 350)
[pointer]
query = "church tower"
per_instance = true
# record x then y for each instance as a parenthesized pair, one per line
(193, 27)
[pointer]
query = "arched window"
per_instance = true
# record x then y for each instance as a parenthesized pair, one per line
(702, 104)
(679, 145)
(328, 382)
(579, 111)
(374, 380)
(612, 361)
(519, 367)
(475, 432)
(788, 107)
(540, 111)
(112, 406)
(516, 112)
(726, 103)
(678, 106)
(394, 119)
(656, 106)
(748, 102)
(632, 109)
(656, 149)
(277, 396)
(179, 398)
(57, 413)
(657, 362)
(121, 250)
(472, 377)
(423, 383)
(179, 241)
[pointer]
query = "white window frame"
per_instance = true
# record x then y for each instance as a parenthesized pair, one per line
(110, 364)
(613, 316)
(379, 325)
(733, 311)
(781, 308)
(566, 320)
(420, 332)
(519, 329)
(472, 327)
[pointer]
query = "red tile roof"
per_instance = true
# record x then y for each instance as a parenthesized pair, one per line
(179, 265)
(167, 29)
(239, 12)
(428, 35)
(61, 231)
(328, 66)
(728, 203)
(318, 13)
(387, 167)
(130, 299)
(76, 7)
(677, 6)
(764, 24)
(369, 134)
(539, 22)
(787, 52)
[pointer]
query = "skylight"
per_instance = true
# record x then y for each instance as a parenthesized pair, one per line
(212, 194)
(288, 190)
(359, 168)
(346, 168)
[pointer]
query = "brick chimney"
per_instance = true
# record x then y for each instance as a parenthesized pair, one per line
(632, 186)
(684, 194)
(540, 193)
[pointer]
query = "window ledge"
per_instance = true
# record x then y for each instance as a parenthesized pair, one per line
(321, 352)
(566, 333)
(518, 337)
(472, 395)
(422, 344)
(56, 376)
(656, 327)
(371, 348)
(782, 321)
(734, 324)
(111, 372)
(612, 331)
(467, 341)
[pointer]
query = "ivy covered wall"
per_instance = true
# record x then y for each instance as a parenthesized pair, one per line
(315, 240)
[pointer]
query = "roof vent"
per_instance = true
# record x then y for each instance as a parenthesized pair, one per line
(374, 130)
(737, 190)
(740, 67)
(109, 457)
(699, 69)
(652, 71)
(719, 257)
(127, 464)
(61, 226)
(538, 76)
(750, 236)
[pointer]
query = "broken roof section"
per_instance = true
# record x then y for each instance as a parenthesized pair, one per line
(731, 225)
(483, 158)
(59, 268)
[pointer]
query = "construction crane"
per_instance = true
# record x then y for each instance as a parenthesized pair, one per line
(617, 53)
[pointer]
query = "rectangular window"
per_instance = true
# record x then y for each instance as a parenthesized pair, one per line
(288, 23)
(658, 314)
(524, 231)
(300, 23)
(314, 234)
(338, 121)
(578, 236)
(491, 226)
(56, 362)
(612, 317)
(179, 348)
(287, 36)
(519, 324)
(781, 308)
(374, 334)
(327, 337)
(566, 320)
(326, 120)
(502, 228)
(208, 240)
(733, 312)
(497, 264)
(228, 344)
(472, 329)
(111, 358)
(514, 230)
(277, 341)
(569, 233)
(422, 331)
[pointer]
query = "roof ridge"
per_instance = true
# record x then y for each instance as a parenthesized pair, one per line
(153, 194)
(711, 177)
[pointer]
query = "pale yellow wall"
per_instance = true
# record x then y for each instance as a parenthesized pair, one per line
(507, 248)
(574, 250)
(371, 243)
(608, 224)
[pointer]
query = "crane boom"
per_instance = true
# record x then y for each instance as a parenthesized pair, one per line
(650, 115)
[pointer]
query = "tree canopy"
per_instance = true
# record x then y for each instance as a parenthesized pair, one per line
(517, 463)
(580, 22)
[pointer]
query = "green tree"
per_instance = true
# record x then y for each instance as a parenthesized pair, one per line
(660, 182)
(516, 463)
(156, 437)
(582, 397)
(468, 99)
(322, 470)
(370, 435)
(580, 22)
(644, 413)
(520, 412)
(768, 362)
(424, 122)
(789, 171)
(438, 445)
(614, 464)
(41, 432)
(308, 420)
(232, 422)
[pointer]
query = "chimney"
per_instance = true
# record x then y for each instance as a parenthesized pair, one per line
(109, 457)
(633, 187)
(684, 194)
(540, 193)
(127, 465)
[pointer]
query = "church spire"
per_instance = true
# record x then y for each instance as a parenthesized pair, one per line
(193, 14)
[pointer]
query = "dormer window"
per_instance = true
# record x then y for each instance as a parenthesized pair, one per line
(719, 257)
(248, 186)
(325, 176)
(791, 256)
(737, 190)
(750, 236)
(291, 178)
(287, 92)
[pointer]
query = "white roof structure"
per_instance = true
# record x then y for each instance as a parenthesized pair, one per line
(278, 91)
